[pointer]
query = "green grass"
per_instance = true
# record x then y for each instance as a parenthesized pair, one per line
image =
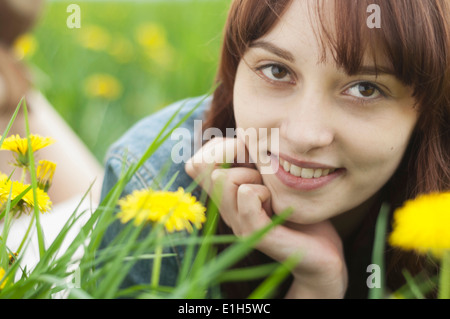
(60, 64)
(99, 271)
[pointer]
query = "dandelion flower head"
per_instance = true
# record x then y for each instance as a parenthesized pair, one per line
(423, 224)
(14, 189)
(25, 46)
(103, 86)
(177, 210)
(19, 146)
(94, 37)
(2, 274)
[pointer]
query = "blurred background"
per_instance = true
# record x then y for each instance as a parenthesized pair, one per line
(127, 60)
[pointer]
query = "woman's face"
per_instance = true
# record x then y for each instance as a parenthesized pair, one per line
(340, 137)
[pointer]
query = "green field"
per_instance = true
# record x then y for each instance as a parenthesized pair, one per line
(127, 60)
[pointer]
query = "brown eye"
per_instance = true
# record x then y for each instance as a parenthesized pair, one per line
(366, 89)
(276, 73)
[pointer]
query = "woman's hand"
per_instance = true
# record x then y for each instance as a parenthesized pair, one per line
(245, 206)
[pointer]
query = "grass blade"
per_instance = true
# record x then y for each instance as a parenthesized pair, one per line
(11, 121)
(378, 250)
(32, 168)
(267, 288)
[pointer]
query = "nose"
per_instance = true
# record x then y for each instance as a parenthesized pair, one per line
(307, 125)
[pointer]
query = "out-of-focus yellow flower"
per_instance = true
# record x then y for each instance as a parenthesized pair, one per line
(104, 86)
(2, 274)
(177, 210)
(423, 224)
(25, 46)
(27, 203)
(12, 258)
(4, 190)
(44, 174)
(19, 146)
(152, 37)
(94, 37)
(121, 49)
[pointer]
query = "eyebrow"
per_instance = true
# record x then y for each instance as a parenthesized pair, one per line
(284, 54)
(273, 49)
(375, 70)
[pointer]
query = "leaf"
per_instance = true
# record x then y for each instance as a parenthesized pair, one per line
(378, 250)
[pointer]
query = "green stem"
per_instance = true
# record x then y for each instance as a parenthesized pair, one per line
(444, 277)
(27, 234)
(156, 269)
(24, 172)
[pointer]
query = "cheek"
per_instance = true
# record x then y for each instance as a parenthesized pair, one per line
(375, 153)
(252, 107)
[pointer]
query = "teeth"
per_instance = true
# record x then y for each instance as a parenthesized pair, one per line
(317, 173)
(296, 171)
(286, 166)
(305, 172)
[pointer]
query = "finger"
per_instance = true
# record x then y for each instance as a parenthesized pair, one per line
(214, 154)
(250, 205)
(227, 181)
(211, 155)
(196, 163)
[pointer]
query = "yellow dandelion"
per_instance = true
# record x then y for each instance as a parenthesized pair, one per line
(104, 86)
(423, 224)
(27, 203)
(2, 275)
(151, 36)
(153, 39)
(5, 187)
(94, 37)
(121, 49)
(44, 174)
(177, 210)
(43, 200)
(19, 146)
(25, 46)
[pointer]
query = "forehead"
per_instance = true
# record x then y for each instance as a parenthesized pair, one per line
(296, 27)
(307, 30)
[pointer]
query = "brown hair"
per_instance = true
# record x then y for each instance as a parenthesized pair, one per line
(16, 18)
(414, 36)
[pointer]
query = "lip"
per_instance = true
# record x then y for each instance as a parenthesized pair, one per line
(299, 183)
(303, 164)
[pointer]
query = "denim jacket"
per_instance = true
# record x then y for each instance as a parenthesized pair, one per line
(133, 145)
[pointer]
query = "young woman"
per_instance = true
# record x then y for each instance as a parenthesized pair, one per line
(361, 116)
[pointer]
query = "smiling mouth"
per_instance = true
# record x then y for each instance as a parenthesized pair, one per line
(304, 172)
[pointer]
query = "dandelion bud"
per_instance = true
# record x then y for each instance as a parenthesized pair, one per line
(44, 174)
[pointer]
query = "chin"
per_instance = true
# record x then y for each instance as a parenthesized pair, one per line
(306, 215)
